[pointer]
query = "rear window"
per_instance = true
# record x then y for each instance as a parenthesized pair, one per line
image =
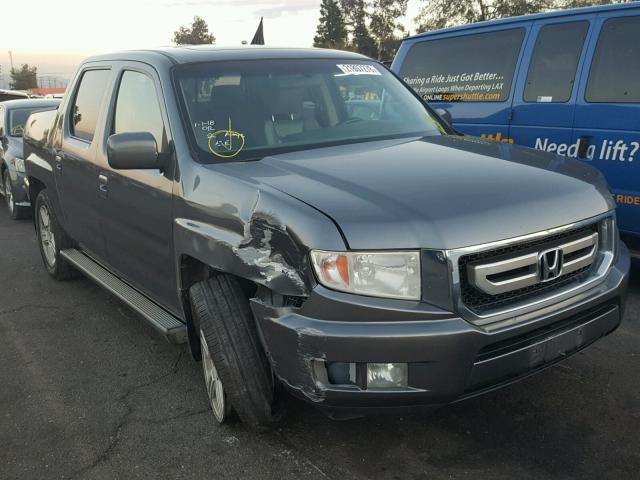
(555, 59)
(18, 119)
(86, 105)
(615, 71)
(469, 68)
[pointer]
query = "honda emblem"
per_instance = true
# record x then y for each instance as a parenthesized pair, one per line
(550, 264)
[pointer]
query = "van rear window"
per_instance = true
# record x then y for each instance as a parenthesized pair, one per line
(469, 68)
(615, 71)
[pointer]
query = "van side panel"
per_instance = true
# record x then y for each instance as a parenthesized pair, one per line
(612, 130)
(544, 108)
(471, 75)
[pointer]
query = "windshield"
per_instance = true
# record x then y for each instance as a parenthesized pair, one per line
(18, 119)
(246, 110)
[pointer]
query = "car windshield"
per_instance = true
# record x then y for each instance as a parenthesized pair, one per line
(17, 120)
(246, 110)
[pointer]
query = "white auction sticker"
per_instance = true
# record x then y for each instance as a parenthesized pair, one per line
(358, 69)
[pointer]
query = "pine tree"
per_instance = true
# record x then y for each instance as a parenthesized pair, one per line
(332, 30)
(198, 34)
(385, 24)
(362, 41)
(24, 78)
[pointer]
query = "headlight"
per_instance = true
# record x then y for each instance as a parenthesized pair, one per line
(18, 163)
(377, 274)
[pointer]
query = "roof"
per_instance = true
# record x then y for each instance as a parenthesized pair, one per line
(205, 53)
(14, 92)
(528, 18)
(31, 103)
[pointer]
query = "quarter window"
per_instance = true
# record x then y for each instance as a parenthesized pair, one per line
(137, 107)
(554, 63)
(616, 63)
(469, 68)
(86, 105)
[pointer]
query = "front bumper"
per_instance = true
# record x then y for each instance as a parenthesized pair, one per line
(449, 358)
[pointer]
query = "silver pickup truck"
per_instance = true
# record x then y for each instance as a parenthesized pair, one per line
(307, 221)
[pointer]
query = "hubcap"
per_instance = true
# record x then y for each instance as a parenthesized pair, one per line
(215, 389)
(8, 193)
(47, 239)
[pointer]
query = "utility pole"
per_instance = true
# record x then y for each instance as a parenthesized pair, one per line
(11, 60)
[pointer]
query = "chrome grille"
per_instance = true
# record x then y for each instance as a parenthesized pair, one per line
(498, 278)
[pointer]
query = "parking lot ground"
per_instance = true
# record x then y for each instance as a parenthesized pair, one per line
(88, 390)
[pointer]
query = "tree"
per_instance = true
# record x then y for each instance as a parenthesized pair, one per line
(25, 78)
(385, 24)
(361, 39)
(332, 29)
(198, 34)
(446, 13)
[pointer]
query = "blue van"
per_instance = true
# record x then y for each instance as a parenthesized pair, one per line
(566, 82)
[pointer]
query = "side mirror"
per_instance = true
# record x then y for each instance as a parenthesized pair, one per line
(445, 115)
(133, 151)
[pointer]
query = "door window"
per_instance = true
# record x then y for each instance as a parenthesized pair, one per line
(555, 59)
(615, 71)
(86, 105)
(468, 68)
(137, 107)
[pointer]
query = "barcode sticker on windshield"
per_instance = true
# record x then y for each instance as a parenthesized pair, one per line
(358, 69)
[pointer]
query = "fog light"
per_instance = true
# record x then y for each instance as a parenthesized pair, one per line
(387, 375)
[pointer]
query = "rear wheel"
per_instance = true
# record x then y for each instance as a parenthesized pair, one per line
(236, 371)
(52, 239)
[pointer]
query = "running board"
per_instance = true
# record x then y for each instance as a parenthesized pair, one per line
(159, 318)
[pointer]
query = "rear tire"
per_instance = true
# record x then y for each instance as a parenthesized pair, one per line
(241, 377)
(16, 212)
(52, 239)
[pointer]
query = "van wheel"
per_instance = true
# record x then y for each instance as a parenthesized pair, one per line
(236, 371)
(16, 212)
(52, 239)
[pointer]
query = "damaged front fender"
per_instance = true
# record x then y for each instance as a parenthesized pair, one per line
(261, 236)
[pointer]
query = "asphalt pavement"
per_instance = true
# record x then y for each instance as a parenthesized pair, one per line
(89, 391)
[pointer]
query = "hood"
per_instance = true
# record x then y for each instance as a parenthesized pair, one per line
(437, 192)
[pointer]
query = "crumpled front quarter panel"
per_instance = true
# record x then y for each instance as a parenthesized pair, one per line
(248, 229)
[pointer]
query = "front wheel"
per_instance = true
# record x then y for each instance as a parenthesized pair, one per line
(236, 371)
(52, 239)
(15, 211)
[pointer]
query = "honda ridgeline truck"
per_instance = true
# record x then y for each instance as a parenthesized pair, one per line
(306, 220)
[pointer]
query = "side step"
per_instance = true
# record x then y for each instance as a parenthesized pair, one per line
(159, 318)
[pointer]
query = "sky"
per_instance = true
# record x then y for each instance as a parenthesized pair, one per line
(62, 32)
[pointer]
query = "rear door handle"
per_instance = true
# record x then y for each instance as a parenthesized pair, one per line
(103, 185)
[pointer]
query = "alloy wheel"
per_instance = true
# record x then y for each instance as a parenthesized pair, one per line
(215, 389)
(8, 193)
(47, 238)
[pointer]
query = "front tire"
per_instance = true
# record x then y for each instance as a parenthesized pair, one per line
(15, 212)
(52, 239)
(236, 370)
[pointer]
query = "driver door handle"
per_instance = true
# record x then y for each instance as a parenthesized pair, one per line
(58, 163)
(103, 185)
